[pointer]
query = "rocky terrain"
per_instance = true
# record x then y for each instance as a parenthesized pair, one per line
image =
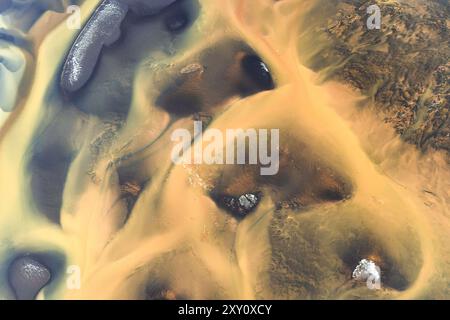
(403, 67)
